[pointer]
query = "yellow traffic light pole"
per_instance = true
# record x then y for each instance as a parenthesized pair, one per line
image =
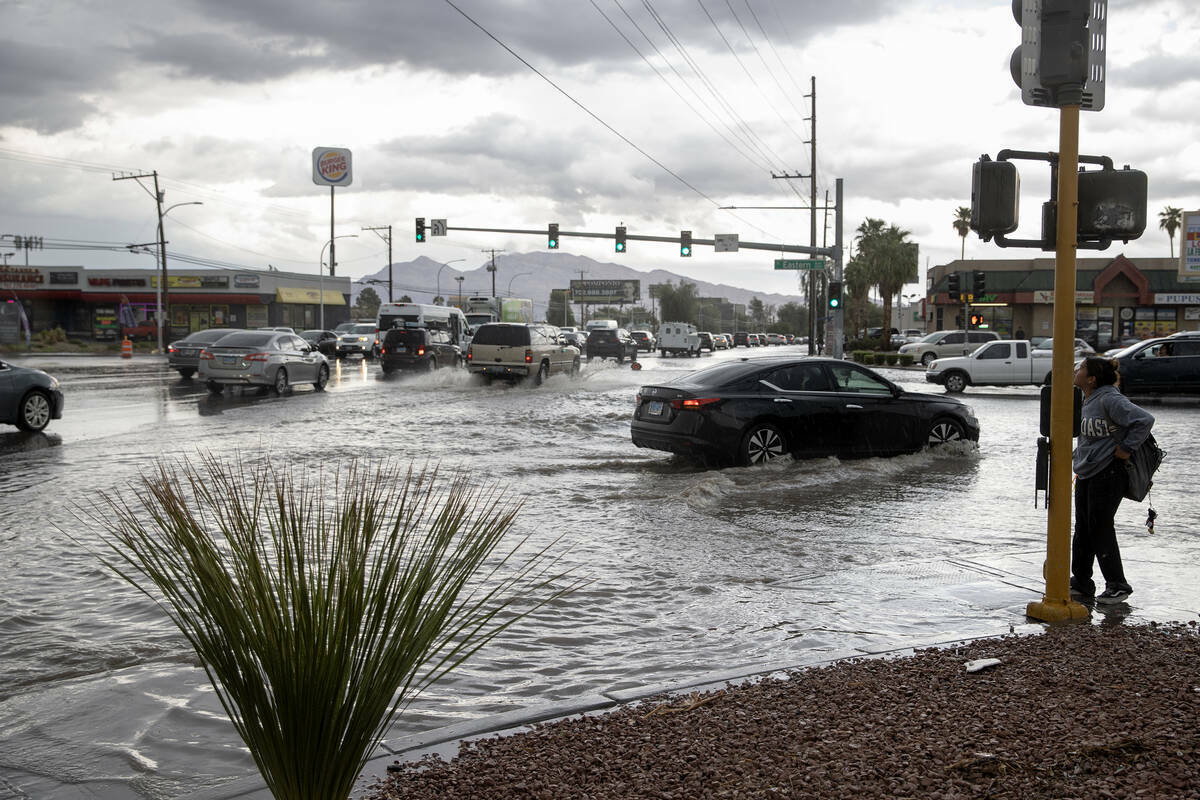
(1056, 604)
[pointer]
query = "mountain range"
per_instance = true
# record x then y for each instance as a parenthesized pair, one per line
(534, 275)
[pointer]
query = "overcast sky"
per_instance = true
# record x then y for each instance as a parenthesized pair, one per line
(226, 99)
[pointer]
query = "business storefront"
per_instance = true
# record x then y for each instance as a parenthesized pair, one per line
(1115, 299)
(101, 304)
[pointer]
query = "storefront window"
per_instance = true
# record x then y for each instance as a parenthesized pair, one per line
(1087, 324)
(1164, 322)
(1143, 323)
(1104, 327)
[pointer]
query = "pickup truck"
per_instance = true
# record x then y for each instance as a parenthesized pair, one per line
(1005, 362)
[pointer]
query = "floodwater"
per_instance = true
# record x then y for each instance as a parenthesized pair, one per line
(690, 570)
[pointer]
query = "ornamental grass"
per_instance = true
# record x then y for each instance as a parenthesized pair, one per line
(319, 605)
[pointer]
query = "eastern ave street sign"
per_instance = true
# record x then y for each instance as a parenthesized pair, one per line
(800, 263)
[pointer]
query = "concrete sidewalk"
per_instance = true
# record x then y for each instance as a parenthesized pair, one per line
(926, 603)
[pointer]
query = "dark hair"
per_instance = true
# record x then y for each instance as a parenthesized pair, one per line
(1104, 370)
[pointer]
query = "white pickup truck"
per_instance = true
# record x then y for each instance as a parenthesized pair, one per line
(1005, 362)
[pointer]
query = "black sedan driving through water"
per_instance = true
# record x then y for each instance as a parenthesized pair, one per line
(756, 409)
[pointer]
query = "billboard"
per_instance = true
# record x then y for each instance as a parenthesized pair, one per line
(1189, 246)
(611, 291)
(332, 166)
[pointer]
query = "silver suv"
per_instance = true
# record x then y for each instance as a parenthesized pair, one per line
(513, 351)
(946, 344)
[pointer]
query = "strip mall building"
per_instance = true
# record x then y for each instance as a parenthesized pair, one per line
(1115, 298)
(87, 303)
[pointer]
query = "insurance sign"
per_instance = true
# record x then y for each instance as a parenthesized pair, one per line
(332, 166)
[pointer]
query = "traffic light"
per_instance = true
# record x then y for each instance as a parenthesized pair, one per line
(835, 295)
(995, 197)
(1112, 204)
(552, 236)
(978, 282)
(620, 238)
(420, 229)
(954, 286)
(976, 320)
(685, 244)
(1060, 60)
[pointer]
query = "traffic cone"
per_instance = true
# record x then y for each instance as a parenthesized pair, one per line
(126, 348)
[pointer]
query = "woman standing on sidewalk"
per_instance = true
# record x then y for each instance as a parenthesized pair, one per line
(1111, 428)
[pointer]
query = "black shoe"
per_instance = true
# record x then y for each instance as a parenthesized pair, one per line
(1078, 593)
(1118, 593)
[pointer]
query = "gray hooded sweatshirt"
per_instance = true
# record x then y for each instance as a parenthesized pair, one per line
(1108, 419)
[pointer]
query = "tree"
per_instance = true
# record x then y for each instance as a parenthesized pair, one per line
(793, 318)
(367, 304)
(678, 303)
(1169, 220)
(559, 311)
(890, 261)
(404, 299)
(757, 313)
(962, 224)
(439, 301)
(856, 289)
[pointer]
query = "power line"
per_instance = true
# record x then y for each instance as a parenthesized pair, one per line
(757, 52)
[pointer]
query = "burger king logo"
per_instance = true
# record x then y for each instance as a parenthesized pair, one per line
(331, 166)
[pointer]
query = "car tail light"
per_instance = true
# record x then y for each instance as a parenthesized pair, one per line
(170, 349)
(383, 351)
(256, 356)
(205, 355)
(468, 353)
(528, 356)
(421, 350)
(694, 402)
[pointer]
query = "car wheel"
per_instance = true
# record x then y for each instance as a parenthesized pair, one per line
(946, 430)
(281, 381)
(662, 353)
(955, 382)
(34, 411)
(215, 388)
(322, 378)
(575, 368)
(928, 359)
(187, 372)
(620, 358)
(763, 442)
(542, 374)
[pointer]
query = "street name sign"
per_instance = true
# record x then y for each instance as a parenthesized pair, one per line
(799, 263)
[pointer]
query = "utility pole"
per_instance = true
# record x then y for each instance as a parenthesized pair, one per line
(165, 303)
(582, 307)
(387, 239)
(812, 228)
(492, 267)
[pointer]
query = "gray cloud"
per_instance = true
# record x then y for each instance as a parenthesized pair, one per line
(1160, 72)
(43, 86)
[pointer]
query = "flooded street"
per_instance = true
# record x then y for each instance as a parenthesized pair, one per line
(690, 570)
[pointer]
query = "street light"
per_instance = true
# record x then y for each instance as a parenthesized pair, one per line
(163, 314)
(513, 278)
(439, 275)
(460, 279)
(321, 270)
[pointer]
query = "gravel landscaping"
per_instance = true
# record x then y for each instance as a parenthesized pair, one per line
(1080, 711)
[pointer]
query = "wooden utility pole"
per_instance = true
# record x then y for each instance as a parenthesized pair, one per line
(165, 303)
(812, 228)
(492, 267)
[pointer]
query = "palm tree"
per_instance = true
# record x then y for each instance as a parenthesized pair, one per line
(1169, 220)
(320, 603)
(888, 260)
(962, 224)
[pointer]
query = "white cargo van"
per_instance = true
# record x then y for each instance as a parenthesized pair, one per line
(678, 338)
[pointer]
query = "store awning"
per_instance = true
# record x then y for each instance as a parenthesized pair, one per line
(293, 294)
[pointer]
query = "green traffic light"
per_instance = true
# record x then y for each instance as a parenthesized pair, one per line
(620, 247)
(685, 251)
(834, 302)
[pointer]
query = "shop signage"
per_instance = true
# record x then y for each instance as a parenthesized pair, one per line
(1174, 299)
(332, 166)
(122, 282)
(194, 281)
(614, 291)
(64, 278)
(1081, 298)
(1189, 244)
(23, 276)
(246, 281)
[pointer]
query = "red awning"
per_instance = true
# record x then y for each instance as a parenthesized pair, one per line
(43, 294)
(176, 298)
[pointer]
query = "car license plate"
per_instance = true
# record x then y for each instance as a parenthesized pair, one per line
(228, 359)
(401, 348)
(654, 408)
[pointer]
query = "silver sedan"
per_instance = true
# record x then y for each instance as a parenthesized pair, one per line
(269, 359)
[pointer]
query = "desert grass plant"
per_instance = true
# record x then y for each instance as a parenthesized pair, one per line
(319, 606)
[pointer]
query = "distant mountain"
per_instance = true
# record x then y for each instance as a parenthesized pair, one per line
(533, 275)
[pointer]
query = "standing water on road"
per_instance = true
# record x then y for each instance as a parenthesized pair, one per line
(690, 569)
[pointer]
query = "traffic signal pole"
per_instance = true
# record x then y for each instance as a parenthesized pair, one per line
(1056, 604)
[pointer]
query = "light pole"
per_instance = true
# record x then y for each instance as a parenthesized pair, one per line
(513, 278)
(164, 314)
(908, 298)
(439, 275)
(460, 279)
(321, 270)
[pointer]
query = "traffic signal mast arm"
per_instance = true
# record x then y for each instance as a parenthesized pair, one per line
(831, 252)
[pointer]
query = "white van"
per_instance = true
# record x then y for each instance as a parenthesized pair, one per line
(593, 324)
(423, 315)
(678, 338)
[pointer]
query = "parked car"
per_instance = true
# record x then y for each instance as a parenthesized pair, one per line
(184, 355)
(611, 343)
(267, 359)
(362, 339)
(29, 398)
(645, 340)
(1169, 365)
(943, 344)
(753, 410)
(325, 341)
(147, 330)
(513, 351)
(418, 348)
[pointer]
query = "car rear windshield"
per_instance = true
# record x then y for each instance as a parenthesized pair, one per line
(209, 336)
(603, 334)
(402, 336)
(248, 339)
(720, 375)
(510, 335)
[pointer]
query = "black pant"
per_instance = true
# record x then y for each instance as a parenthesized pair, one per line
(1096, 501)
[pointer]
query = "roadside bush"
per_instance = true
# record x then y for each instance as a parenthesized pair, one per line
(862, 356)
(892, 359)
(54, 335)
(906, 359)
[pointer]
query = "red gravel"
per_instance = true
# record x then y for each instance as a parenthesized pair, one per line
(1081, 711)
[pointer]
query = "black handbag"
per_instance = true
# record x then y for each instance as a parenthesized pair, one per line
(1140, 468)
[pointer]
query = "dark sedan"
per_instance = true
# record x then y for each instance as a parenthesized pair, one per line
(325, 341)
(29, 398)
(611, 343)
(756, 409)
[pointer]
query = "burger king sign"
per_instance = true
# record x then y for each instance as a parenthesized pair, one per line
(331, 166)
